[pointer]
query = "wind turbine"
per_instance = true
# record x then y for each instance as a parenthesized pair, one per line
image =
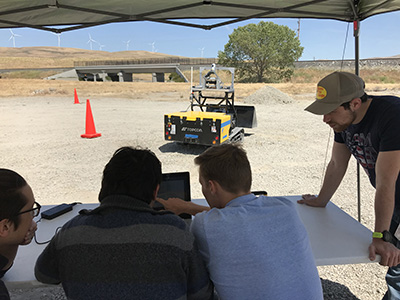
(91, 41)
(153, 48)
(58, 38)
(13, 35)
(100, 45)
(127, 44)
(202, 51)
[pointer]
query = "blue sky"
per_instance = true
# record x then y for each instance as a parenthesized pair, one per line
(321, 39)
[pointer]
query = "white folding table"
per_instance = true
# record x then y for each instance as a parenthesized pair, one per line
(336, 238)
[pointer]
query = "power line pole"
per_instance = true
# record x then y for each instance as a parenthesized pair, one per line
(298, 31)
(298, 28)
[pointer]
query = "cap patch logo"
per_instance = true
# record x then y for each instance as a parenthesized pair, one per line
(321, 92)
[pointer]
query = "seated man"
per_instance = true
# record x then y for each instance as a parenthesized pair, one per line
(124, 249)
(17, 209)
(254, 247)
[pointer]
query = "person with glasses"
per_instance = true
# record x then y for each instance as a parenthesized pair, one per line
(17, 210)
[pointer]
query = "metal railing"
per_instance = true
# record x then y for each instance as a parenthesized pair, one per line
(166, 60)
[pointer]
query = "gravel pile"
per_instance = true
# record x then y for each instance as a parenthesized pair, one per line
(268, 95)
(41, 140)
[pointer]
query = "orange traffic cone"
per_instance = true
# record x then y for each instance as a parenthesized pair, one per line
(76, 97)
(90, 129)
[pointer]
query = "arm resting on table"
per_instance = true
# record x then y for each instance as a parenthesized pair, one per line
(333, 177)
(179, 206)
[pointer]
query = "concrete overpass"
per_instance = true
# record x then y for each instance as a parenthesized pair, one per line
(124, 72)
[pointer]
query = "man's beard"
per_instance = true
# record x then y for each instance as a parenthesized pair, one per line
(342, 127)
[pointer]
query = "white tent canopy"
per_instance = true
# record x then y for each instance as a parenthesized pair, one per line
(65, 15)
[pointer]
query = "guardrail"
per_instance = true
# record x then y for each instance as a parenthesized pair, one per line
(391, 63)
(167, 60)
(370, 63)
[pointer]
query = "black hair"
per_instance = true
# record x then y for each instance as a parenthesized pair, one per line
(131, 172)
(12, 200)
(363, 98)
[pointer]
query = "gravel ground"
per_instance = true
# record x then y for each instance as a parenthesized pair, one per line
(288, 151)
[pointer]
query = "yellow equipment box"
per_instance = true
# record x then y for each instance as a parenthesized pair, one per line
(197, 127)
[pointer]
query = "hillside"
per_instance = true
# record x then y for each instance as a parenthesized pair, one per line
(59, 57)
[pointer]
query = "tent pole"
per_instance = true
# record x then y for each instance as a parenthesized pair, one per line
(356, 25)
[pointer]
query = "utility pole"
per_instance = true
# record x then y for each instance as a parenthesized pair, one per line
(298, 31)
(298, 28)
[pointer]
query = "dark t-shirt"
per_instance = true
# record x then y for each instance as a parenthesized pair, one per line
(4, 295)
(3, 290)
(378, 131)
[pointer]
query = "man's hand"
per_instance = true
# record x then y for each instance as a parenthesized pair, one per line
(390, 255)
(30, 233)
(179, 206)
(176, 205)
(311, 200)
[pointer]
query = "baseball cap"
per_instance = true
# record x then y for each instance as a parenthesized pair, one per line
(335, 89)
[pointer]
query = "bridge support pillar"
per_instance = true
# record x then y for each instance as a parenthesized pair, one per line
(158, 77)
(103, 76)
(124, 76)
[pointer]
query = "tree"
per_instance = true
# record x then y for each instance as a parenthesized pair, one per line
(263, 52)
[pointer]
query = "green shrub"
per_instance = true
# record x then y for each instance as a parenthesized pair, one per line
(175, 77)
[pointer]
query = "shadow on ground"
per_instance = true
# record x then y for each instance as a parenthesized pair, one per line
(182, 148)
(187, 148)
(336, 291)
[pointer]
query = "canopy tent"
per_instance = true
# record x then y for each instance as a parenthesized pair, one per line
(65, 15)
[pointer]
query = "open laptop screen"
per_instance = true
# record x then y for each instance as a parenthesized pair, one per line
(175, 185)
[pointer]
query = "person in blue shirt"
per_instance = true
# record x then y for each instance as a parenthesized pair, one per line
(255, 247)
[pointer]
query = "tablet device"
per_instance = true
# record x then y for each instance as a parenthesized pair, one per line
(174, 185)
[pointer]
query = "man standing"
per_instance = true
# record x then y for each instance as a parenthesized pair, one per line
(124, 249)
(369, 128)
(254, 247)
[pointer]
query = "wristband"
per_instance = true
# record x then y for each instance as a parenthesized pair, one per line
(386, 236)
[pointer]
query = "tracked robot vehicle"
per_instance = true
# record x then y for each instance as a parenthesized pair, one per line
(213, 117)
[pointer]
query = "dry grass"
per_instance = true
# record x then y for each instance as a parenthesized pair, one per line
(372, 76)
(58, 57)
(29, 83)
(134, 90)
(153, 90)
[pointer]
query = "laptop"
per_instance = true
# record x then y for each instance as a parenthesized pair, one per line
(174, 185)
